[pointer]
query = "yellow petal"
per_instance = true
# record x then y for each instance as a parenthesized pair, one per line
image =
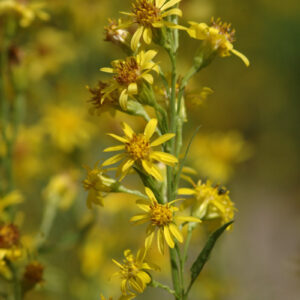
(188, 219)
(117, 137)
(136, 38)
(166, 158)
(241, 56)
(139, 217)
(149, 55)
(148, 78)
(152, 170)
(132, 88)
(186, 191)
(127, 130)
(168, 237)
(150, 195)
(127, 165)
(143, 204)
(162, 139)
(147, 35)
(173, 11)
(149, 238)
(160, 241)
(114, 148)
(123, 99)
(159, 3)
(169, 4)
(174, 230)
(113, 160)
(107, 70)
(150, 128)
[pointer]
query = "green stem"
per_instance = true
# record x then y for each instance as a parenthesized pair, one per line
(16, 283)
(187, 243)
(175, 273)
(123, 189)
(157, 284)
(47, 221)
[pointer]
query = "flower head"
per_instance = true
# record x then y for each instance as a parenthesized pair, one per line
(97, 105)
(128, 74)
(219, 36)
(133, 273)
(27, 12)
(114, 33)
(162, 218)
(138, 149)
(150, 14)
(32, 276)
(97, 183)
(209, 202)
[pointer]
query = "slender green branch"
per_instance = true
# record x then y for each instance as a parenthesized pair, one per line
(123, 189)
(175, 274)
(157, 284)
(187, 243)
(16, 283)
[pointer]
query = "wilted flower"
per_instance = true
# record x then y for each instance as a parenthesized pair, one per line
(114, 33)
(32, 276)
(129, 74)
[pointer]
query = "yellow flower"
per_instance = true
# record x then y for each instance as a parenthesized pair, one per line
(133, 273)
(150, 14)
(103, 298)
(67, 127)
(216, 154)
(97, 184)
(138, 150)
(13, 198)
(63, 187)
(220, 37)
(10, 249)
(128, 74)
(209, 202)
(27, 12)
(163, 219)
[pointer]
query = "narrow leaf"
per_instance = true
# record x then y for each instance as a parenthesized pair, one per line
(204, 254)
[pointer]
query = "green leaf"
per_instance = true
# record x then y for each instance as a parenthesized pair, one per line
(204, 254)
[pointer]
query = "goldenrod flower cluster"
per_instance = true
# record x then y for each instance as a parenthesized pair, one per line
(133, 88)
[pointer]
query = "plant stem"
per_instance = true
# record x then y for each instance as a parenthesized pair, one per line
(123, 189)
(156, 284)
(16, 283)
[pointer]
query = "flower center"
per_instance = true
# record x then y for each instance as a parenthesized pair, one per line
(138, 147)
(161, 215)
(224, 29)
(128, 71)
(130, 268)
(9, 236)
(146, 13)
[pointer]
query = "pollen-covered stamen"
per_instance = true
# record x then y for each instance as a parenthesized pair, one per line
(9, 236)
(138, 147)
(146, 13)
(161, 215)
(128, 71)
(224, 28)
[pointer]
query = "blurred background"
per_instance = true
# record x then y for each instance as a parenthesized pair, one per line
(249, 141)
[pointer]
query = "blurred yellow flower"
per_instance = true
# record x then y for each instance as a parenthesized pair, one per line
(209, 202)
(133, 273)
(67, 127)
(64, 187)
(220, 37)
(150, 14)
(128, 74)
(162, 218)
(97, 183)
(138, 150)
(27, 12)
(10, 249)
(216, 154)
(12, 198)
